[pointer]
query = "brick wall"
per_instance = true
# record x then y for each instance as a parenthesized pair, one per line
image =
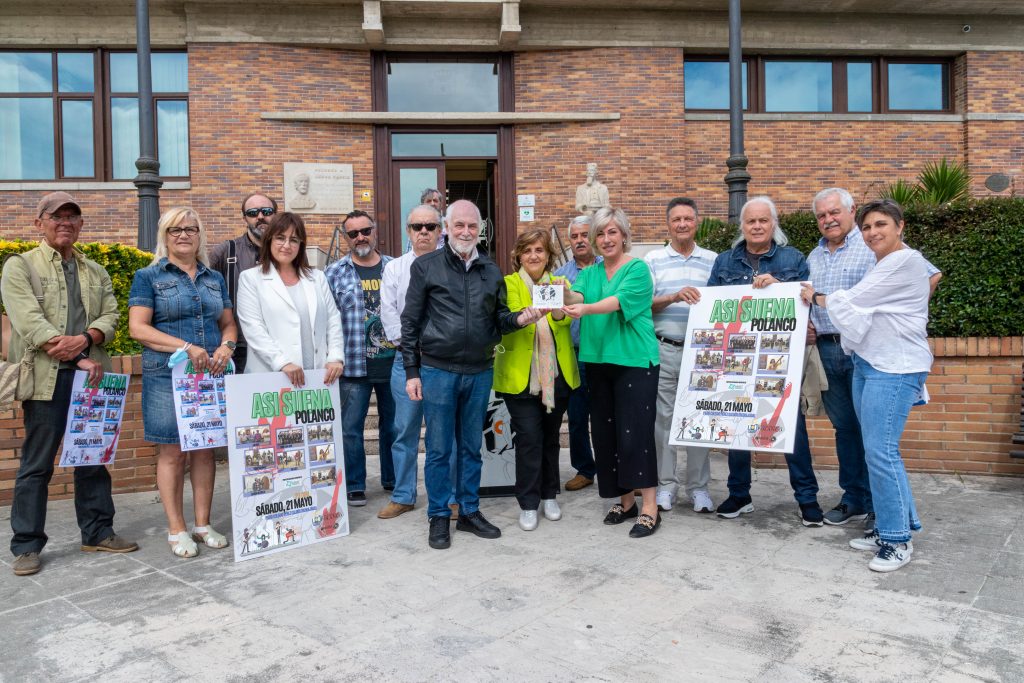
(975, 409)
(975, 387)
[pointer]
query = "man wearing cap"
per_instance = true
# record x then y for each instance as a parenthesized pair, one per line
(65, 328)
(231, 257)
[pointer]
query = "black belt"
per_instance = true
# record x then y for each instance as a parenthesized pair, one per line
(673, 342)
(829, 337)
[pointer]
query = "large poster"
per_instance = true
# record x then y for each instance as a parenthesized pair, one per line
(497, 450)
(739, 383)
(286, 463)
(200, 406)
(94, 420)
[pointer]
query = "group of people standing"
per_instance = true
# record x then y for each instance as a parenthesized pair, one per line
(434, 331)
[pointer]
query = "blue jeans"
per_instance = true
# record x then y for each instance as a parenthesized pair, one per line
(405, 450)
(838, 400)
(456, 404)
(581, 455)
(355, 403)
(801, 469)
(883, 402)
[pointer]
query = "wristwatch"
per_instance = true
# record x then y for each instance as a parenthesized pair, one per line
(814, 298)
(230, 344)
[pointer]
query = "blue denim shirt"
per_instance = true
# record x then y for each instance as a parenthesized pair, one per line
(181, 308)
(731, 267)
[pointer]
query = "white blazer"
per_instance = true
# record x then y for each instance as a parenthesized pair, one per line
(270, 322)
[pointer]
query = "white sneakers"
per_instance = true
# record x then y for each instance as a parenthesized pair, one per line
(528, 518)
(664, 500)
(702, 501)
(888, 556)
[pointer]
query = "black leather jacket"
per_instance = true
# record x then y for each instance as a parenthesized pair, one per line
(453, 317)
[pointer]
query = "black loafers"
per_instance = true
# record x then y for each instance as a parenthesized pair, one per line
(440, 537)
(618, 514)
(645, 526)
(475, 523)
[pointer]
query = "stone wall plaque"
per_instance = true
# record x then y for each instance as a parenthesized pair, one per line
(318, 188)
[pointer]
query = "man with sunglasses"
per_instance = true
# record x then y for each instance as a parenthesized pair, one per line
(355, 281)
(62, 311)
(233, 256)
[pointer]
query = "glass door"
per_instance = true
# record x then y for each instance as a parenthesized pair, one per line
(410, 179)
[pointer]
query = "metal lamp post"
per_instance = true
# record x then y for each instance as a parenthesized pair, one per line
(148, 181)
(737, 177)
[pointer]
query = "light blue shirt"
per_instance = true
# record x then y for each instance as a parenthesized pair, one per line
(671, 272)
(570, 271)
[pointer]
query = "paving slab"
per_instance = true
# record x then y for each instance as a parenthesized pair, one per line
(758, 598)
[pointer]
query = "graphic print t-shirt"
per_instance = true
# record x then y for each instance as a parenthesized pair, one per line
(380, 353)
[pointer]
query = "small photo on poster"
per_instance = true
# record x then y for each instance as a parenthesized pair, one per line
(768, 387)
(95, 414)
(739, 364)
(257, 484)
(218, 382)
(775, 342)
(189, 397)
(189, 410)
(206, 385)
(317, 434)
(220, 397)
(77, 426)
(289, 436)
(258, 459)
(113, 414)
(772, 364)
(742, 342)
(708, 339)
(80, 398)
(80, 412)
(321, 477)
(110, 428)
(114, 401)
(183, 384)
(321, 455)
(291, 459)
(703, 381)
(255, 435)
(207, 398)
(99, 402)
(708, 360)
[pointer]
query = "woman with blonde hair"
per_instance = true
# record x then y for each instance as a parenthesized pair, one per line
(179, 304)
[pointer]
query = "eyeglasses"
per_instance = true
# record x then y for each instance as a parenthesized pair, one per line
(189, 230)
(281, 239)
(74, 218)
(265, 210)
(416, 227)
(365, 232)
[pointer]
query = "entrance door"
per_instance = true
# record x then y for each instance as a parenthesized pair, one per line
(409, 179)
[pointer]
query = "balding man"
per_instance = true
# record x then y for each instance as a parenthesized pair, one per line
(455, 313)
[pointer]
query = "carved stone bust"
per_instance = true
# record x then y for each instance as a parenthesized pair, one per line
(593, 194)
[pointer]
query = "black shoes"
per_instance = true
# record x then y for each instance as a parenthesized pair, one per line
(357, 499)
(645, 526)
(440, 537)
(732, 507)
(811, 514)
(474, 522)
(618, 514)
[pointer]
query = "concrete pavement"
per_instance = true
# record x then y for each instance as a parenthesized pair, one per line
(760, 598)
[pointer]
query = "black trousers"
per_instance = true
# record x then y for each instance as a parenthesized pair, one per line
(622, 415)
(44, 428)
(535, 434)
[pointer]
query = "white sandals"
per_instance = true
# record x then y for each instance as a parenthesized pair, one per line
(209, 537)
(182, 544)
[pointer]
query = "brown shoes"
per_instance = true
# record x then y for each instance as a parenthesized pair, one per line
(578, 482)
(393, 509)
(25, 564)
(112, 544)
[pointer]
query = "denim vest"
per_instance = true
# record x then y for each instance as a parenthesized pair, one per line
(786, 264)
(181, 308)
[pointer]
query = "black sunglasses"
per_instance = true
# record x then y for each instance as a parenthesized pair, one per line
(266, 211)
(416, 227)
(365, 232)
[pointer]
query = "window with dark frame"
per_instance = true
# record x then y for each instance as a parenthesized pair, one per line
(73, 114)
(836, 85)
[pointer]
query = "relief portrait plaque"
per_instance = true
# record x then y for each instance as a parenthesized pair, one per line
(317, 188)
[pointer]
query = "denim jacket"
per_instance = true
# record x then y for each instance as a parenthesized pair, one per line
(181, 308)
(786, 264)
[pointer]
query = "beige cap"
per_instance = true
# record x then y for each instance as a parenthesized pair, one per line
(54, 201)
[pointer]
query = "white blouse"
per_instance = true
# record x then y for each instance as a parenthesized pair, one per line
(884, 317)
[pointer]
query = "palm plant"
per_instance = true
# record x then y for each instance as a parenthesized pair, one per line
(943, 182)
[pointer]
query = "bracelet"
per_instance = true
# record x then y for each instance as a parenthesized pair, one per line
(814, 298)
(82, 356)
(88, 339)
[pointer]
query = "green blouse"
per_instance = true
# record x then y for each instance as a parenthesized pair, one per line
(624, 337)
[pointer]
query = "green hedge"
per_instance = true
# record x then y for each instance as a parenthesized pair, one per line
(978, 245)
(121, 263)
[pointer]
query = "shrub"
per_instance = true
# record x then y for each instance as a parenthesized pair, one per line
(121, 262)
